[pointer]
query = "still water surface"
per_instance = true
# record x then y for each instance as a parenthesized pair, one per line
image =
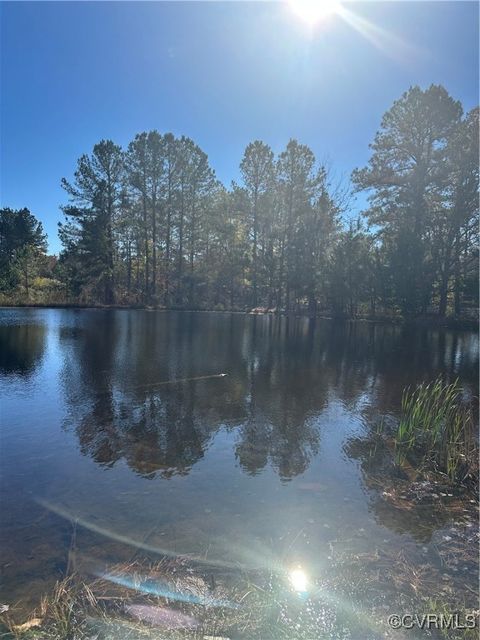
(120, 421)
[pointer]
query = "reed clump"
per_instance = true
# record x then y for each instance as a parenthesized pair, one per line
(436, 431)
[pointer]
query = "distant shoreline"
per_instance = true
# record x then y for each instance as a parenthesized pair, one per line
(433, 322)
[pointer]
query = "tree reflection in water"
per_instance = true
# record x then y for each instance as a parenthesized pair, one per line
(22, 347)
(281, 374)
(132, 390)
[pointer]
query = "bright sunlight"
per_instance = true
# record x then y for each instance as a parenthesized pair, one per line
(299, 580)
(313, 11)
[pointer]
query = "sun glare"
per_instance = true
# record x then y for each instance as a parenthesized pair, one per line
(313, 11)
(299, 580)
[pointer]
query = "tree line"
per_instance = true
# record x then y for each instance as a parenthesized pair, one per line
(151, 224)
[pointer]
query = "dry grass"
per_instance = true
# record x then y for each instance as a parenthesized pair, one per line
(265, 608)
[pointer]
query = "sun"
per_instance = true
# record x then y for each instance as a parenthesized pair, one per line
(299, 580)
(313, 11)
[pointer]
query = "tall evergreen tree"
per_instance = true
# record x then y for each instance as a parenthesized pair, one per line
(257, 171)
(404, 177)
(154, 223)
(455, 238)
(296, 182)
(22, 244)
(95, 198)
(145, 165)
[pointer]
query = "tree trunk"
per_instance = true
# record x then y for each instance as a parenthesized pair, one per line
(180, 249)
(280, 275)
(129, 267)
(167, 246)
(110, 285)
(457, 280)
(147, 262)
(154, 247)
(254, 249)
(27, 284)
(445, 277)
(192, 255)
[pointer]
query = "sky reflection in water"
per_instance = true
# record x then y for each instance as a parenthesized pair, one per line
(120, 421)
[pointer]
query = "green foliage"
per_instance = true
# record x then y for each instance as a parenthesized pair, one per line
(152, 225)
(257, 171)
(351, 271)
(88, 237)
(423, 185)
(22, 250)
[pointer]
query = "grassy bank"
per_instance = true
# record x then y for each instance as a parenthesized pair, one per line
(175, 600)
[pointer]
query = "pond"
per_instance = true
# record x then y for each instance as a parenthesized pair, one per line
(228, 439)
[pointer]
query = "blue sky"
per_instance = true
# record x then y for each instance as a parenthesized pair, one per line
(223, 73)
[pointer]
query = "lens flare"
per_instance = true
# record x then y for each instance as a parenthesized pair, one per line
(299, 580)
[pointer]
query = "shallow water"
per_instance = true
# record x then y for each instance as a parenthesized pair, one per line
(118, 421)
